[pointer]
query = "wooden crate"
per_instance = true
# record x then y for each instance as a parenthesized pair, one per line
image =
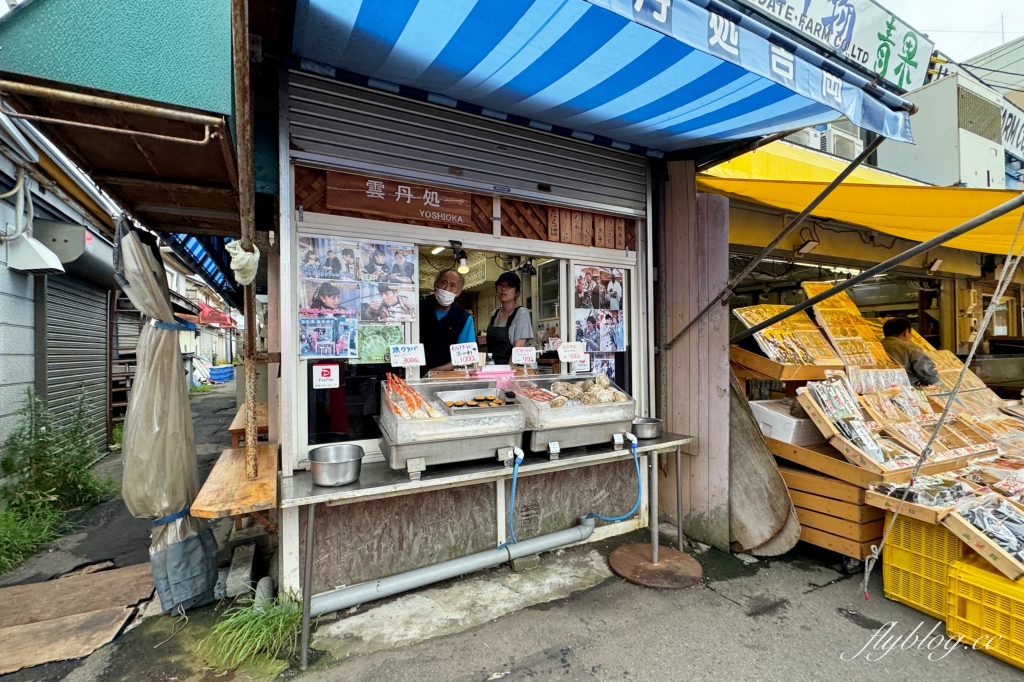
(776, 370)
(929, 515)
(833, 513)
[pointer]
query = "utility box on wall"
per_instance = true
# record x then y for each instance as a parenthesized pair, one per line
(957, 134)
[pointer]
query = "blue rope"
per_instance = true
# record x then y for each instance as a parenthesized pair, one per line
(639, 494)
(512, 505)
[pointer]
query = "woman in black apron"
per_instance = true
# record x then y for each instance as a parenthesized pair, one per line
(510, 325)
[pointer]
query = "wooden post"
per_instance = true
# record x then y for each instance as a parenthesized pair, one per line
(696, 246)
(246, 209)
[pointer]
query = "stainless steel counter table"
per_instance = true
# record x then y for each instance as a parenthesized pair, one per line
(377, 481)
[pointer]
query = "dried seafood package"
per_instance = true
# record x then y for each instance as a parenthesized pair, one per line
(930, 491)
(1000, 521)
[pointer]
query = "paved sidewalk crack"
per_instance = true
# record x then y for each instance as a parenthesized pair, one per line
(724, 597)
(836, 581)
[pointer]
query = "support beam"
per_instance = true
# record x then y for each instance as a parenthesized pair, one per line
(246, 204)
(169, 185)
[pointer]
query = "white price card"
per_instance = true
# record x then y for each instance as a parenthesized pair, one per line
(326, 376)
(408, 355)
(465, 354)
(584, 364)
(525, 355)
(571, 352)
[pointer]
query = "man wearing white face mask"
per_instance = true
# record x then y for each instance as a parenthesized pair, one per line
(443, 322)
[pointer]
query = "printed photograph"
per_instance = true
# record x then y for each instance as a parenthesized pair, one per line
(328, 258)
(387, 302)
(587, 329)
(329, 337)
(603, 363)
(328, 297)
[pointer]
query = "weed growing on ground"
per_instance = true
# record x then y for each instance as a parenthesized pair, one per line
(118, 435)
(49, 466)
(201, 388)
(25, 526)
(254, 627)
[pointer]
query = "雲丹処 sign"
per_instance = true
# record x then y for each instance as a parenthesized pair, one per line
(397, 199)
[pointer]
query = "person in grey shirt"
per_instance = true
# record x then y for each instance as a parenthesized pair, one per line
(919, 366)
(511, 325)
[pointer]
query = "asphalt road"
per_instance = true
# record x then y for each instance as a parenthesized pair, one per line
(795, 619)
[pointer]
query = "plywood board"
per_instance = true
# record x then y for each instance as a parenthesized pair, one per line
(777, 370)
(825, 486)
(24, 604)
(59, 639)
(784, 540)
(227, 491)
(851, 530)
(843, 510)
(759, 501)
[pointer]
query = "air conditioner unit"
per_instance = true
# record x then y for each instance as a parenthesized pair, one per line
(808, 137)
(841, 143)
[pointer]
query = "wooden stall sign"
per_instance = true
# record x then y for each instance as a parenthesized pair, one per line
(620, 234)
(588, 229)
(565, 226)
(599, 230)
(553, 234)
(397, 199)
(577, 227)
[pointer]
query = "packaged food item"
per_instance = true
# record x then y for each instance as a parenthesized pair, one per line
(930, 491)
(1000, 521)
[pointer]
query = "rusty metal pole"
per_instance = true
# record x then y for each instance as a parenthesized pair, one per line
(246, 210)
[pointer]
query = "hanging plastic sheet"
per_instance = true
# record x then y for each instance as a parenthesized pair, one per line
(161, 476)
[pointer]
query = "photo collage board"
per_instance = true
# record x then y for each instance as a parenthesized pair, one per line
(599, 314)
(355, 297)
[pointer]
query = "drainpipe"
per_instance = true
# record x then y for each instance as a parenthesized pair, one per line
(348, 597)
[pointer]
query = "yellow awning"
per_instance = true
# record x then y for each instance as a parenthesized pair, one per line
(786, 161)
(911, 212)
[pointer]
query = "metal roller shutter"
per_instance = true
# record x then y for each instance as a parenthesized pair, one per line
(77, 352)
(384, 130)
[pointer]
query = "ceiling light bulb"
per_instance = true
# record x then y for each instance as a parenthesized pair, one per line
(463, 267)
(436, 250)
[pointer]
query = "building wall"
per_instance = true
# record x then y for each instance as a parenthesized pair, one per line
(17, 337)
(935, 156)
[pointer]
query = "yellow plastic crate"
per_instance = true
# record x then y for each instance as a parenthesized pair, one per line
(915, 564)
(987, 608)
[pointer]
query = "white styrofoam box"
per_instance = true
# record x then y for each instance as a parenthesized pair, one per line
(776, 422)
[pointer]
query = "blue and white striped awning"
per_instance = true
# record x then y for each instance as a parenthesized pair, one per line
(660, 74)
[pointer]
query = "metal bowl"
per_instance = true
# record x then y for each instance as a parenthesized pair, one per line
(335, 464)
(646, 428)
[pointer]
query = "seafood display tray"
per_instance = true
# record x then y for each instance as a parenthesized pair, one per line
(443, 452)
(463, 424)
(468, 395)
(578, 436)
(540, 416)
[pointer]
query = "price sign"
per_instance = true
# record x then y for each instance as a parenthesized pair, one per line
(464, 354)
(584, 364)
(525, 355)
(571, 352)
(326, 376)
(408, 355)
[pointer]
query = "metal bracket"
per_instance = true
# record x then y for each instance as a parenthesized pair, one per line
(506, 456)
(415, 466)
(618, 441)
(554, 449)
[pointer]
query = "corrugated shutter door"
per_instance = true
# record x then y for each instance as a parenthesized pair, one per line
(373, 127)
(77, 351)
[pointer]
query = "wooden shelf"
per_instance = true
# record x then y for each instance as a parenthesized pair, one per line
(237, 427)
(227, 491)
